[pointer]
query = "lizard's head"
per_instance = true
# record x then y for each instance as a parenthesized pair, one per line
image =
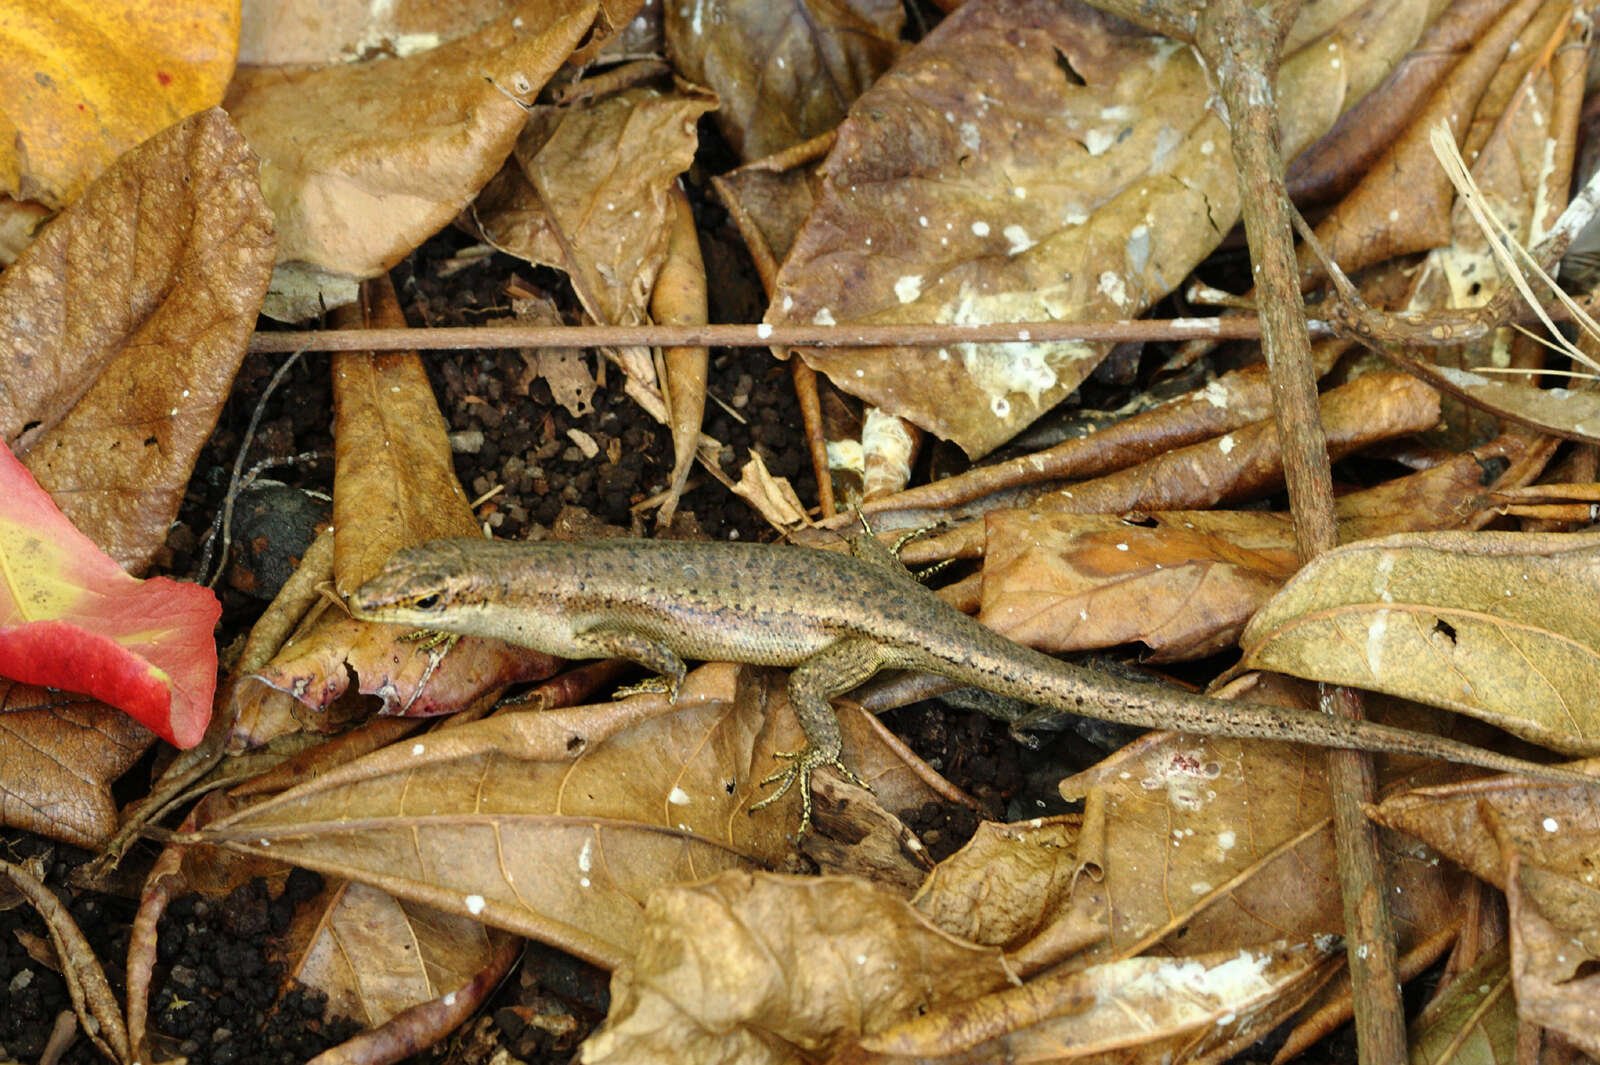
(420, 585)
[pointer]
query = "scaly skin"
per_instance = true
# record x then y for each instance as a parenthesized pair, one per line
(834, 619)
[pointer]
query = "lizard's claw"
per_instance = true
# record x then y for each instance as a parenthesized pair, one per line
(428, 639)
(801, 765)
(649, 686)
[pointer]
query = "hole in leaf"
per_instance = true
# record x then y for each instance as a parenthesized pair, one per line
(1064, 64)
(1445, 629)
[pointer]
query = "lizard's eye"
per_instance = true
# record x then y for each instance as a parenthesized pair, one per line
(426, 602)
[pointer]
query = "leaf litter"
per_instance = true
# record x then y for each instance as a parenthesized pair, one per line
(449, 821)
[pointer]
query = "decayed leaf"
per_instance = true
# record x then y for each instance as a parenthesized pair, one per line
(1237, 836)
(1202, 1007)
(556, 824)
(566, 202)
(84, 82)
(396, 485)
(1480, 825)
(362, 162)
(785, 71)
(71, 618)
(1079, 172)
(61, 752)
(1555, 947)
(376, 955)
(122, 325)
(1008, 888)
(1496, 625)
(1474, 1019)
(760, 968)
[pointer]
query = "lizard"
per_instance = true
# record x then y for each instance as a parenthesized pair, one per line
(833, 619)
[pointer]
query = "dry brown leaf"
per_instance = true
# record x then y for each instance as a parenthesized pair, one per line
(1008, 888)
(784, 71)
(1555, 947)
(1198, 1008)
(1480, 824)
(556, 824)
(84, 82)
(315, 32)
(122, 325)
(396, 483)
(679, 298)
(1078, 173)
(1330, 167)
(376, 955)
(761, 968)
(364, 161)
(1184, 583)
(310, 682)
(61, 753)
(567, 202)
(1496, 625)
(1402, 204)
(1208, 843)
(1236, 466)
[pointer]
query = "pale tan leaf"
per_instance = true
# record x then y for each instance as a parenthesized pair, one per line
(1207, 843)
(756, 968)
(1496, 625)
(1008, 887)
(1203, 1007)
(565, 202)
(122, 325)
(376, 955)
(363, 161)
(557, 824)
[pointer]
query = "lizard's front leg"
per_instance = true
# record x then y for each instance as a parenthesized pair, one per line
(651, 654)
(837, 668)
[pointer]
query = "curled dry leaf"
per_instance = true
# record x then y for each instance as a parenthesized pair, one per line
(1555, 948)
(122, 325)
(1078, 172)
(1009, 887)
(761, 968)
(362, 162)
(784, 71)
(84, 82)
(1496, 625)
(1203, 1007)
(1480, 825)
(557, 824)
(564, 202)
(377, 956)
(61, 752)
